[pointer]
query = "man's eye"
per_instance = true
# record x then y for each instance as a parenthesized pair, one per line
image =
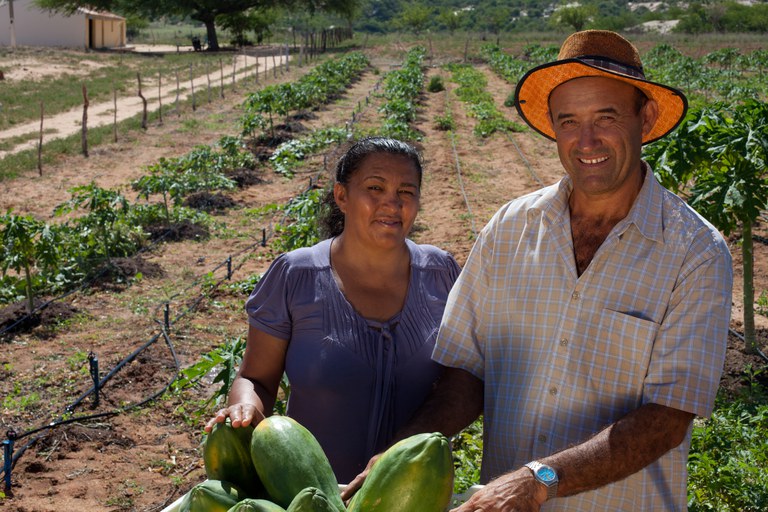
(605, 120)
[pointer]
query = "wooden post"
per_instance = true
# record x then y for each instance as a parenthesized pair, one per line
(274, 64)
(176, 105)
(192, 84)
(208, 75)
(114, 114)
(160, 96)
(144, 102)
(221, 80)
(234, 71)
(84, 131)
(40, 142)
(287, 58)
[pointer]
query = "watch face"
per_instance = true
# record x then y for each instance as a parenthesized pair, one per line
(546, 474)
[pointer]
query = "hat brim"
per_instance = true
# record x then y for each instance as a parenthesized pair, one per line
(533, 90)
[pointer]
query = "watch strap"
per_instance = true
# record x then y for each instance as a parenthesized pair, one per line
(551, 485)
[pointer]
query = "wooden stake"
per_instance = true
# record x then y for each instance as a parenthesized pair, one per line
(84, 132)
(178, 112)
(221, 80)
(40, 143)
(234, 71)
(192, 83)
(114, 114)
(144, 102)
(160, 96)
(208, 75)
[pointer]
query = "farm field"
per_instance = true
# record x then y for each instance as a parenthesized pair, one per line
(146, 457)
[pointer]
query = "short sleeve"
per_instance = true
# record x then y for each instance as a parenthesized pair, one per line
(459, 342)
(267, 306)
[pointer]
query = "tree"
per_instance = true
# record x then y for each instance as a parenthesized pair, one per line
(575, 18)
(204, 11)
(495, 19)
(415, 17)
(451, 18)
(723, 151)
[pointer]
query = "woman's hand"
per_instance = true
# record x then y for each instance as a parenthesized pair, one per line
(240, 415)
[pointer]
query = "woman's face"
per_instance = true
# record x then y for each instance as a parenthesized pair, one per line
(381, 200)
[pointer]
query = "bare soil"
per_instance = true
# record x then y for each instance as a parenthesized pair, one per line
(145, 458)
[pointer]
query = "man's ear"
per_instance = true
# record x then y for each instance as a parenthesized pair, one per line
(340, 196)
(649, 113)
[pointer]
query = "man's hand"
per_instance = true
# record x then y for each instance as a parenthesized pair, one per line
(357, 482)
(513, 492)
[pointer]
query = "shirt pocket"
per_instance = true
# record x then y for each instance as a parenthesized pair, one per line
(615, 360)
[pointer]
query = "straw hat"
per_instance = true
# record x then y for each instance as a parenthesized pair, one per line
(595, 53)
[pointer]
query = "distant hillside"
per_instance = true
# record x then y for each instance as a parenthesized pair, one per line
(497, 16)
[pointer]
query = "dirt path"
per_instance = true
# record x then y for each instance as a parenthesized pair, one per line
(241, 66)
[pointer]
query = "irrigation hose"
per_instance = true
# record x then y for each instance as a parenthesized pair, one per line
(741, 337)
(62, 421)
(525, 160)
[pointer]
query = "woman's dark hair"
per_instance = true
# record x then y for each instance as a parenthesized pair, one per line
(331, 220)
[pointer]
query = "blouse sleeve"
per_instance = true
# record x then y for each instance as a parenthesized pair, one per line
(267, 306)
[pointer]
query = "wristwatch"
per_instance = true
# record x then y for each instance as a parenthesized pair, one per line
(546, 475)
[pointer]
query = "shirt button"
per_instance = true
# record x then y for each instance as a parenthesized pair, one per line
(553, 391)
(576, 296)
(564, 342)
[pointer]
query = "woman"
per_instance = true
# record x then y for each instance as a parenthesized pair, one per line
(352, 320)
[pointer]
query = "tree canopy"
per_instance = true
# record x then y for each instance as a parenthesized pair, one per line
(204, 11)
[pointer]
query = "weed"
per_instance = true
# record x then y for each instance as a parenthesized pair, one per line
(436, 84)
(445, 122)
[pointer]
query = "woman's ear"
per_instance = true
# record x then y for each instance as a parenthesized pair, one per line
(340, 196)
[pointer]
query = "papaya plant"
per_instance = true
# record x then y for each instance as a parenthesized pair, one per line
(718, 158)
(106, 207)
(27, 244)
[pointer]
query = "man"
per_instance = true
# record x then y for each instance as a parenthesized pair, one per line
(589, 323)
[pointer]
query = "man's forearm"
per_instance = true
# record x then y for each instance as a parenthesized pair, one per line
(620, 450)
(455, 402)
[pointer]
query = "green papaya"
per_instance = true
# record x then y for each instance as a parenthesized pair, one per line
(212, 496)
(311, 499)
(288, 459)
(413, 475)
(227, 456)
(256, 505)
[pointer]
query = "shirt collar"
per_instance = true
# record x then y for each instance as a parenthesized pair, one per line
(645, 214)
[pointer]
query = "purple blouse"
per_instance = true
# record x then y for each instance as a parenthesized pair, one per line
(354, 381)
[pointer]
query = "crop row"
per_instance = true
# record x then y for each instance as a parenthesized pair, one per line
(317, 87)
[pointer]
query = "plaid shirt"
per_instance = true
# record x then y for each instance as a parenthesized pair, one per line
(563, 356)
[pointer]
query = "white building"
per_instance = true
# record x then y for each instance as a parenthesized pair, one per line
(22, 23)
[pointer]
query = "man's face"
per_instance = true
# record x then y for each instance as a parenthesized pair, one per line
(599, 133)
